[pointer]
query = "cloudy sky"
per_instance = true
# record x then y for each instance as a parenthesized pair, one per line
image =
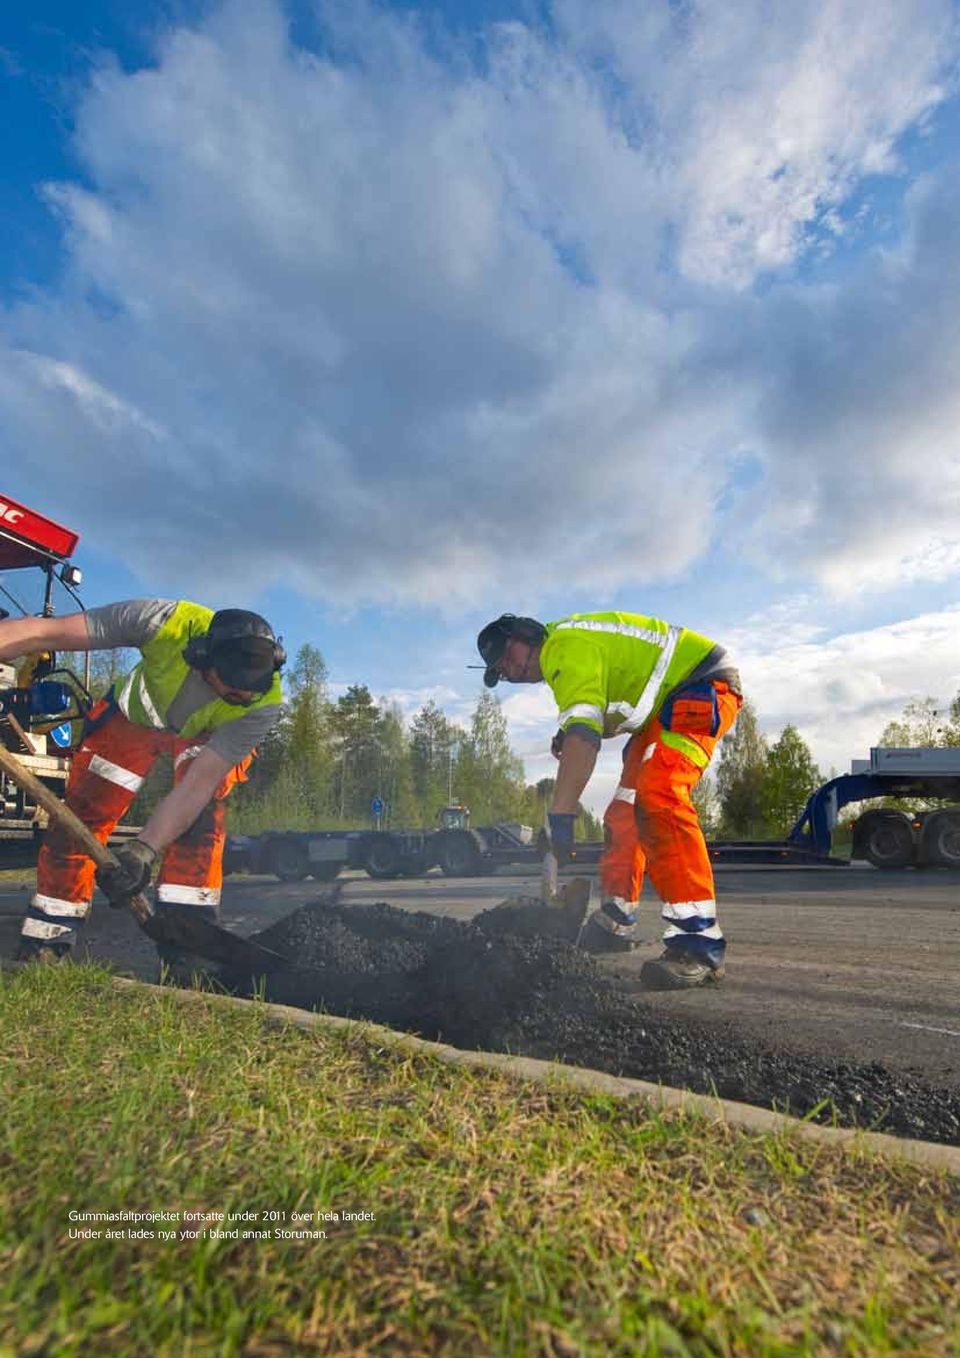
(386, 318)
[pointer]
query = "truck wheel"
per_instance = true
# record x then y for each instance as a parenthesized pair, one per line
(382, 858)
(459, 854)
(941, 839)
(324, 872)
(289, 861)
(885, 839)
(414, 865)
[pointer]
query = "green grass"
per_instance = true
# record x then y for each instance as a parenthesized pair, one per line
(509, 1218)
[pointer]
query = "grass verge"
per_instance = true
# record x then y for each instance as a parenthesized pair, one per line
(489, 1217)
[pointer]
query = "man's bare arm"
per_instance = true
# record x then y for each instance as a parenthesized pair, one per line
(24, 636)
(181, 807)
(578, 758)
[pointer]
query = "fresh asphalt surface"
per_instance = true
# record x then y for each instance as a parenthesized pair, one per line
(841, 963)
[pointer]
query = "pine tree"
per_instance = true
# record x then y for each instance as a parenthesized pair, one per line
(290, 784)
(359, 769)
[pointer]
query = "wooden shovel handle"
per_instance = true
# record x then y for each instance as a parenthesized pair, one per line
(62, 815)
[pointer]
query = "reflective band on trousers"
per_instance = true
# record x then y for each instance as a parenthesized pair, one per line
(625, 794)
(113, 773)
(123, 700)
(39, 928)
(635, 716)
(190, 752)
(176, 894)
(50, 905)
(674, 740)
(689, 910)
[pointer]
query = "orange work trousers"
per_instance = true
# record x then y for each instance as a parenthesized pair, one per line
(105, 776)
(652, 824)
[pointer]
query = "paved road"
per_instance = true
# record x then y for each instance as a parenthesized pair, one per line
(845, 963)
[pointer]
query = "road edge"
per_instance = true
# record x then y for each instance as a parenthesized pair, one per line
(928, 1154)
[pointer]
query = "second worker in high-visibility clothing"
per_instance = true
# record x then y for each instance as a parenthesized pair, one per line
(675, 694)
(206, 691)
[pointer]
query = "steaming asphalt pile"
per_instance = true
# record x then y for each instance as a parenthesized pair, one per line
(501, 983)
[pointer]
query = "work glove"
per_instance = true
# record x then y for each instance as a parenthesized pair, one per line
(129, 875)
(556, 745)
(561, 836)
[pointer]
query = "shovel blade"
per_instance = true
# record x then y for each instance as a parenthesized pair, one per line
(179, 926)
(549, 877)
(531, 917)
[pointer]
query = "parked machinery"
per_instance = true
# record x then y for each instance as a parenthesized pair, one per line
(42, 704)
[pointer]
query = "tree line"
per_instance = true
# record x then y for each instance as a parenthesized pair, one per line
(329, 761)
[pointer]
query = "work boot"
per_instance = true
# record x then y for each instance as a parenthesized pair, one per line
(677, 969)
(611, 929)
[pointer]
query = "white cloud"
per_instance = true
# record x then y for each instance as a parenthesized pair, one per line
(760, 121)
(841, 691)
(402, 326)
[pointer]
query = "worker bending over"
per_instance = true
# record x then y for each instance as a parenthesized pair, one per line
(206, 691)
(675, 694)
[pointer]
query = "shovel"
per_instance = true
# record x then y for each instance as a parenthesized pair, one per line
(177, 926)
(572, 902)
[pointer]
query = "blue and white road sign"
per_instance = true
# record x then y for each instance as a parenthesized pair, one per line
(62, 735)
(376, 806)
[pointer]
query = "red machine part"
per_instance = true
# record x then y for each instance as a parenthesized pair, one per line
(30, 539)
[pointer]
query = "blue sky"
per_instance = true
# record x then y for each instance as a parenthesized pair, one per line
(384, 319)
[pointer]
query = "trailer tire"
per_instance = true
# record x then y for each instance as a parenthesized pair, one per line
(459, 854)
(325, 872)
(288, 860)
(885, 838)
(382, 857)
(941, 839)
(414, 865)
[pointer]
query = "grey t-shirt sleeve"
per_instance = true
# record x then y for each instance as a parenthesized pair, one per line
(131, 623)
(234, 741)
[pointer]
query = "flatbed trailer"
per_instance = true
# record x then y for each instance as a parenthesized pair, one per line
(884, 836)
(293, 855)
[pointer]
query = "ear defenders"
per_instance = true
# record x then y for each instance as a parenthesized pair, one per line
(232, 625)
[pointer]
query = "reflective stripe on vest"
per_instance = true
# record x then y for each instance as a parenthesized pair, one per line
(134, 692)
(585, 710)
(635, 716)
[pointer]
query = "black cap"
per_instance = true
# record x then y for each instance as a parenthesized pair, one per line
(492, 641)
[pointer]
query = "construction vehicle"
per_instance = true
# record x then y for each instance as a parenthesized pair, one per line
(884, 836)
(42, 704)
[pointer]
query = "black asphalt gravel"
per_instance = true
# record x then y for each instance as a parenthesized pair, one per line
(498, 984)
